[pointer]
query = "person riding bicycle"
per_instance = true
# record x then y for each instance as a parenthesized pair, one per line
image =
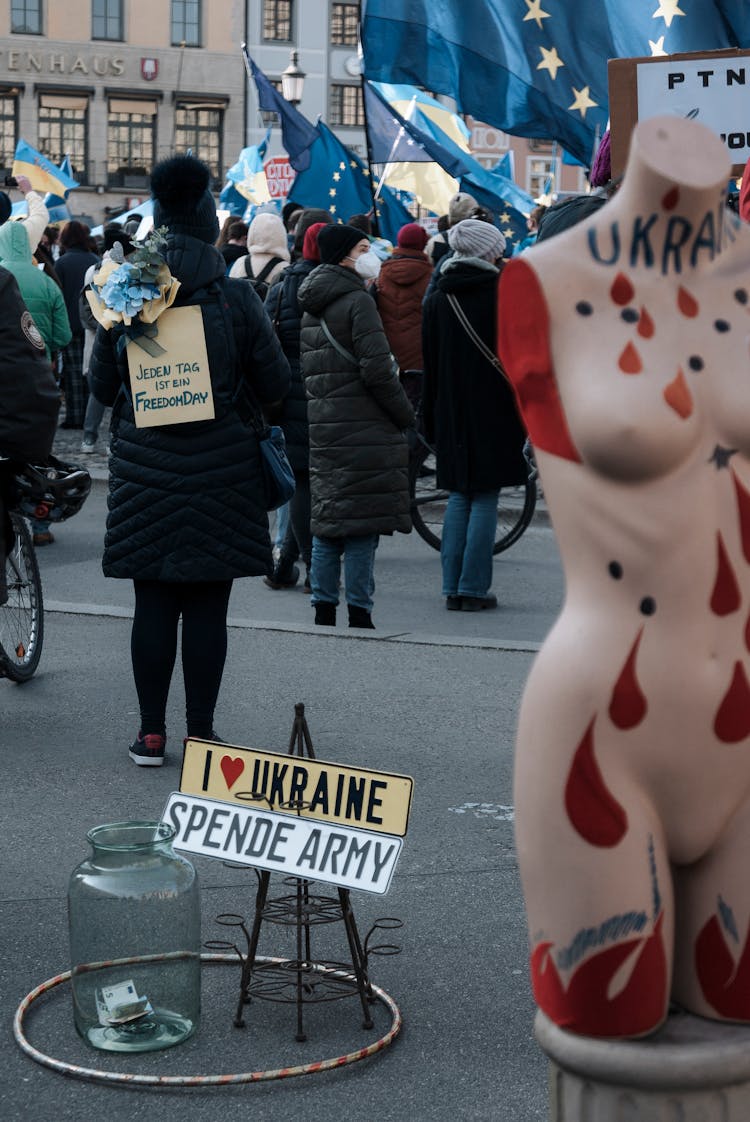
(29, 399)
(469, 410)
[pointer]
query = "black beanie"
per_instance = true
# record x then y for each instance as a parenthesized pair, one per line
(5, 207)
(334, 242)
(182, 200)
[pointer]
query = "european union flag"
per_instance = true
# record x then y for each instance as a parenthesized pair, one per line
(337, 180)
(524, 66)
(297, 134)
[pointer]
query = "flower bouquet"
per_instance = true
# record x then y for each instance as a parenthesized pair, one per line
(134, 291)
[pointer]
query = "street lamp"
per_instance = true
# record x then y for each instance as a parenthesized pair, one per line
(293, 81)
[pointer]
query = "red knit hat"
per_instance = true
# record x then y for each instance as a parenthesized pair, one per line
(310, 248)
(412, 236)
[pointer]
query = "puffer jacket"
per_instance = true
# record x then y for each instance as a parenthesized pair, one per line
(40, 294)
(266, 239)
(283, 308)
(400, 289)
(186, 502)
(357, 411)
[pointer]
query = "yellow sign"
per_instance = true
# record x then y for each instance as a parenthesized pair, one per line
(357, 797)
(174, 387)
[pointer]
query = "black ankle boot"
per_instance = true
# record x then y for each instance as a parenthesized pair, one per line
(325, 613)
(360, 617)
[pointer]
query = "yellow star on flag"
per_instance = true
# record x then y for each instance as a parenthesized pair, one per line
(342, 165)
(332, 209)
(535, 12)
(353, 164)
(332, 192)
(337, 176)
(657, 47)
(504, 217)
(550, 61)
(583, 101)
(507, 231)
(668, 9)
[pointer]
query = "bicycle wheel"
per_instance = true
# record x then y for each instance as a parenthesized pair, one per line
(515, 505)
(22, 618)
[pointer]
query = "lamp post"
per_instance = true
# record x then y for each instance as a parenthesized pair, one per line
(293, 81)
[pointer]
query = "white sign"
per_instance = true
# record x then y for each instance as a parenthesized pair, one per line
(714, 91)
(280, 843)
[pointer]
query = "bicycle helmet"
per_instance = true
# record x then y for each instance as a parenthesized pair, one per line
(54, 491)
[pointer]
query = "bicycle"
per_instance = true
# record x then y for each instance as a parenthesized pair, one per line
(54, 491)
(515, 505)
(22, 617)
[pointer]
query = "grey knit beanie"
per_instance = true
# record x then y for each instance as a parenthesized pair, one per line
(475, 238)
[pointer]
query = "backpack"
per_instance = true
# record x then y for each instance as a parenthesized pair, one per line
(259, 283)
(29, 397)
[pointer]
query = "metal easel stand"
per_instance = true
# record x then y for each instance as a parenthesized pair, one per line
(303, 981)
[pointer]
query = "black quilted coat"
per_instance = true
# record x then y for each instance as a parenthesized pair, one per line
(283, 307)
(186, 501)
(359, 458)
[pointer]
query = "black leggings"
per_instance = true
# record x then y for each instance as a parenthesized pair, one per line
(153, 645)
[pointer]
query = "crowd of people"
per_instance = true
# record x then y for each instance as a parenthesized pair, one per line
(325, 329)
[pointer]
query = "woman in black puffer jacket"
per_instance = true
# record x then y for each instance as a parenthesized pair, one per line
(283, 307)
(358, 411)
(186, 503)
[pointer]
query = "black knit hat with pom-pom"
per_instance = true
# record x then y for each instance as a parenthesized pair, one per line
(182, 200)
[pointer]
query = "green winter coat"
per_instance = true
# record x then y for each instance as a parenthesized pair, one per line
(41, 295)
(357, 411)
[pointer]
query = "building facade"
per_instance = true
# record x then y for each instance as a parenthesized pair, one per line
(120, 84)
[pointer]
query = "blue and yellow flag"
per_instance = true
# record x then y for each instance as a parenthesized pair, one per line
(248, 175)
(537, 68)
(43, 175)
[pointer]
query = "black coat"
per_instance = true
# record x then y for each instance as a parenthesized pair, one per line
(71, 268)
(283, 307)
(359, 458)
(186, 501)
(469, 408)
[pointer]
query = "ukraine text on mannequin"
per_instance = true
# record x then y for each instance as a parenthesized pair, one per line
(627, 341)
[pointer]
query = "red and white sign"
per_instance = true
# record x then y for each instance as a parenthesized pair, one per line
(280, 176)
(149, 68)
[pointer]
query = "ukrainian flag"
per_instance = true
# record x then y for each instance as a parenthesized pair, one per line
(43, 175)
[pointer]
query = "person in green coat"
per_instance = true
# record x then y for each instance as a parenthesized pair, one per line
(45, 302)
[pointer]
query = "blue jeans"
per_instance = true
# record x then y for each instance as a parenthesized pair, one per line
(468, 538)
(359, 563)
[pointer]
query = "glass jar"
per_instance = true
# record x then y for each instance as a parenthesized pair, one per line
(134, 921)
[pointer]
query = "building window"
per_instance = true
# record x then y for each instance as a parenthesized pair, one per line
(186, 23)
(63, 131)
(106, 20)
(131, 142)
(344, 25)
(199, 128)
(277, 20)
(542, 175)
(26, 17)
(8, 130)
(346, 106)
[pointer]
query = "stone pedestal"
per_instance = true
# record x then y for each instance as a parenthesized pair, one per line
(691, 1070)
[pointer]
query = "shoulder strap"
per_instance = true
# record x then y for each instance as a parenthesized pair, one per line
(248, 266)
(480, 344)
(336, 345)
(268, 267)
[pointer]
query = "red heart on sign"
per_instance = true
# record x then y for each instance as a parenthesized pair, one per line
(232, 769)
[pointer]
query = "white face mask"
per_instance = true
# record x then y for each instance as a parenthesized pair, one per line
(367, 265)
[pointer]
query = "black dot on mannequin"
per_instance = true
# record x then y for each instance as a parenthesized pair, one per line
(584, 308)
(615, 570)
(647, 606)
(695, 362)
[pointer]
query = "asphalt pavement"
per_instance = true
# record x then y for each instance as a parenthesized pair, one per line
(432, 694)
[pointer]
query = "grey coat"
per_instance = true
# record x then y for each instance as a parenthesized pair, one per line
(357, 411)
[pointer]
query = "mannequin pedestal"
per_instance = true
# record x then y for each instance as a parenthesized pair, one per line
(692, 1069)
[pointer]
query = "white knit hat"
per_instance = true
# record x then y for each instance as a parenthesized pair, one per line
(475, 238)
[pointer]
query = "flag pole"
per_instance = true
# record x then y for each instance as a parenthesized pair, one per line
(362, 79)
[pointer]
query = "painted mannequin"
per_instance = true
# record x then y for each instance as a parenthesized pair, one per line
(627, 341)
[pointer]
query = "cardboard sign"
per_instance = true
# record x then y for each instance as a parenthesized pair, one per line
(711, 87)
(280, 843)
(174, 387)
(353, 797)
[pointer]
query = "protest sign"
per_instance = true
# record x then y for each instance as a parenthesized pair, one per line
(173, 386)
